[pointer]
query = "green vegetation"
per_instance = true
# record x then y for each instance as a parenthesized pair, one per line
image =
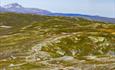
(32, 42)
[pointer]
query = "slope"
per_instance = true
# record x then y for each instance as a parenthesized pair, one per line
(55, 42)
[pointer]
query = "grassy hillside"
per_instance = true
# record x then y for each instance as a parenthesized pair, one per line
(32, 42)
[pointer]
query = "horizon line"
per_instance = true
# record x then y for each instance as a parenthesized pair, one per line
(58, 12)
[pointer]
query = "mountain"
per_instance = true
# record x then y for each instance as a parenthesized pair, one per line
(3, 9)
(17, 8)
(14, 5)
(89, 17)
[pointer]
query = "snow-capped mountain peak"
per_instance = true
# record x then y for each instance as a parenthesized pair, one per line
(13, 5)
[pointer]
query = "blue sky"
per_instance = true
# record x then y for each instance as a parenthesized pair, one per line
(104, 8)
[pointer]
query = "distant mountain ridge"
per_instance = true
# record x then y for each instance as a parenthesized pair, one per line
(3, 9)
(89, 17)
(14, 5)
(17, 8)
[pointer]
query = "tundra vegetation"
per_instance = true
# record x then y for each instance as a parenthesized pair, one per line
(37, 42)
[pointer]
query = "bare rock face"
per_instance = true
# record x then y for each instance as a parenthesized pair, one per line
(66, 58)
